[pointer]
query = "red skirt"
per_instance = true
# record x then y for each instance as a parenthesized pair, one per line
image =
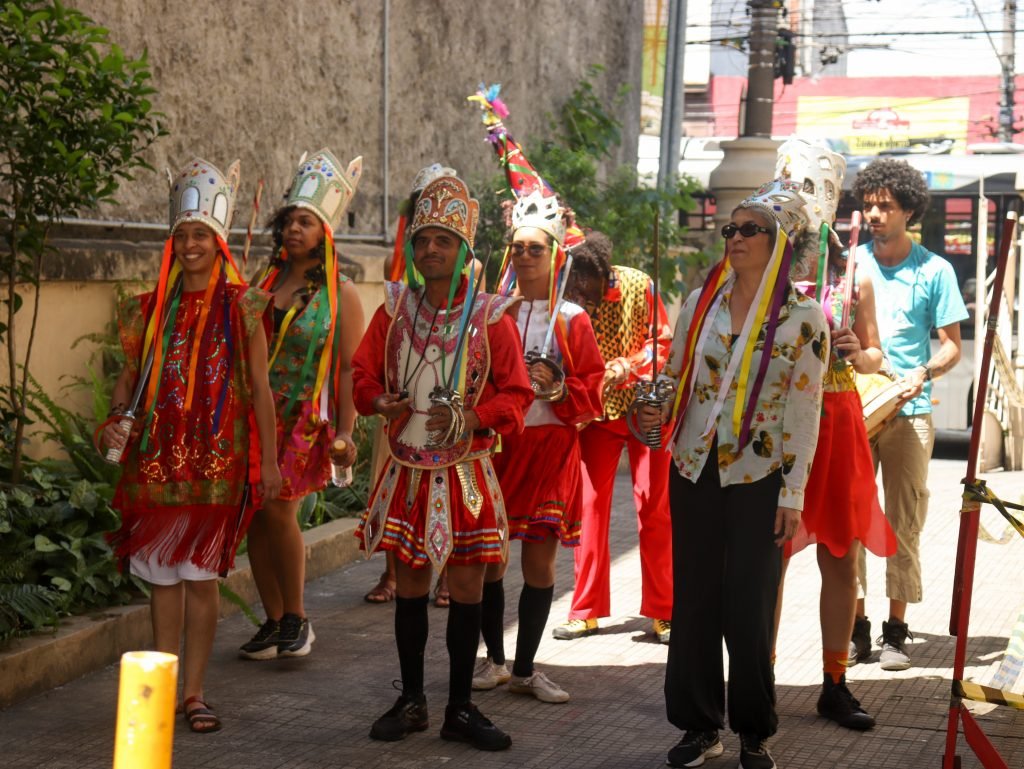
(539, 472)
(475, 539)
(841, 499)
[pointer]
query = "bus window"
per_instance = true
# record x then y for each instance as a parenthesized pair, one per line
(958, 238)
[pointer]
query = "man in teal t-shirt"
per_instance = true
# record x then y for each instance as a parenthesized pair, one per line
(915, 292)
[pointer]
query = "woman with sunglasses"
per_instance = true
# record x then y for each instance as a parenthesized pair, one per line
(539, 469)
(747, 359)
(841, 509)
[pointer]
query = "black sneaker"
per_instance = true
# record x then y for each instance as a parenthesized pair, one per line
(754, 753)
(894, 645)
(465, 723)
(837, 704)
(263, 645)
(408, 715)
(694, 748)
(860, 641)
(296, 636)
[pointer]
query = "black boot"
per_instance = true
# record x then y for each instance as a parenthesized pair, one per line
(408, 715)
(860, 641)
(465, 723)
(837, 704)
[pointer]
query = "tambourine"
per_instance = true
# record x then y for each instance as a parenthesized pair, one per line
(881, 398)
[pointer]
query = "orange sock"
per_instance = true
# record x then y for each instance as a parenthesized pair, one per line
(835, 663)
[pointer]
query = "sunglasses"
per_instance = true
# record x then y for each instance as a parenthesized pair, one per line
(747, 230)
(536, 250)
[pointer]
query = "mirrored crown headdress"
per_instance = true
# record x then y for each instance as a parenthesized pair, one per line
(819, 171)
(321, 186)
(541, 211)
(201, 193)
(780, 198)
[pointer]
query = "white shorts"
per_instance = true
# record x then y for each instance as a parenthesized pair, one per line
(159, 574)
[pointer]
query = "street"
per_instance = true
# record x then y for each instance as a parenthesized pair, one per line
(316, 711)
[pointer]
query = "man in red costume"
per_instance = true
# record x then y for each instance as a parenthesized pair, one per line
(622, 307)
(444, 366)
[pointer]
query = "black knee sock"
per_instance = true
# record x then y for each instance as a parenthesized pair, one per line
(463, 637)
(411, 639)
(492, 620)
(534, 607)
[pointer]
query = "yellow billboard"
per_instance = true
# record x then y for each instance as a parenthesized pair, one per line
(870, 124)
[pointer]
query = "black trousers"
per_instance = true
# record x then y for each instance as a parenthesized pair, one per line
(726, 570)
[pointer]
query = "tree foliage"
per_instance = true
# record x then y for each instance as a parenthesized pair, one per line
(75, 117)
(580, 137)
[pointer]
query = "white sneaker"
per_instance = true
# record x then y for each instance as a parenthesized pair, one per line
(540, 686)
(488, 675)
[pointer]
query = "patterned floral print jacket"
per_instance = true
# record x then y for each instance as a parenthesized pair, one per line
(785, 426)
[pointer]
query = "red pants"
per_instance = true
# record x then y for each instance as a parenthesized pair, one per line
(601, 445)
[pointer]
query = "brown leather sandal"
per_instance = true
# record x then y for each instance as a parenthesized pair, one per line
(201, 719)
(442, 598)
(384, 590)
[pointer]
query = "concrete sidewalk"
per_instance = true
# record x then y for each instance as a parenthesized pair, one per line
(317, 711)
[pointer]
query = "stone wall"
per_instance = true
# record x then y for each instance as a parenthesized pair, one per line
(266, 81)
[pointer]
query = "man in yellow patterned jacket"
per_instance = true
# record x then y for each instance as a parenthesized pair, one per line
(622, 307)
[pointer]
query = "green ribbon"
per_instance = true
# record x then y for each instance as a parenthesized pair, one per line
(172, 315)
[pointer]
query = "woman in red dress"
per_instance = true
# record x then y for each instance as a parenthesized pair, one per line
(204, 434)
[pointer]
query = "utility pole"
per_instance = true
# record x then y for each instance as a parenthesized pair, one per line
(1008, 65)
(674, 96)
(764, 16)
(749, 161)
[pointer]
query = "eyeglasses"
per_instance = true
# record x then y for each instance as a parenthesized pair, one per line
(536, 250)
(747, 230)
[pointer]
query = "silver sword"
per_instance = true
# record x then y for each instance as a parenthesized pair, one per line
(652, 393)
(114, 453)
(542, 356)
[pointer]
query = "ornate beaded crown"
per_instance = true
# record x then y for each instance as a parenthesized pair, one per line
(201, 193)
(820, 173)
(541, 211)
(445, 203)
(322, 187)
(780, 198)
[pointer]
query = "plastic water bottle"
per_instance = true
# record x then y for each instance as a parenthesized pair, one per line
(340, 476)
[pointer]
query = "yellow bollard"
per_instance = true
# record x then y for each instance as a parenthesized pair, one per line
(145, 711)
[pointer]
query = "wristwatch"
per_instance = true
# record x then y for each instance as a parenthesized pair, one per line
(927, 373)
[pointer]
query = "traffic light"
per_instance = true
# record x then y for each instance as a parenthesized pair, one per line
(785, 55)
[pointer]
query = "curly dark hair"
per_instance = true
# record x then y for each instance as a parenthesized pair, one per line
(276, 225)
(904, 182)
(593, 256)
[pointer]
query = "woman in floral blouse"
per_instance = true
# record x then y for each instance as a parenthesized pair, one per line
(756, 418)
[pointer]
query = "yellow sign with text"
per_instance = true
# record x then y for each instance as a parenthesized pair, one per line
(870, 124)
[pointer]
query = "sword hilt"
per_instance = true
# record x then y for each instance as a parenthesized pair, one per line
(654, 394)
(114, 453)
(557, 386)
(451, 400)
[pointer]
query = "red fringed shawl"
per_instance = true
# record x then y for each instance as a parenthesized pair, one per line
(181, 496)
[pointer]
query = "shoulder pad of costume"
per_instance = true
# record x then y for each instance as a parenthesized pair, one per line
(393, 291)
(570, 310)
(499, 305)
